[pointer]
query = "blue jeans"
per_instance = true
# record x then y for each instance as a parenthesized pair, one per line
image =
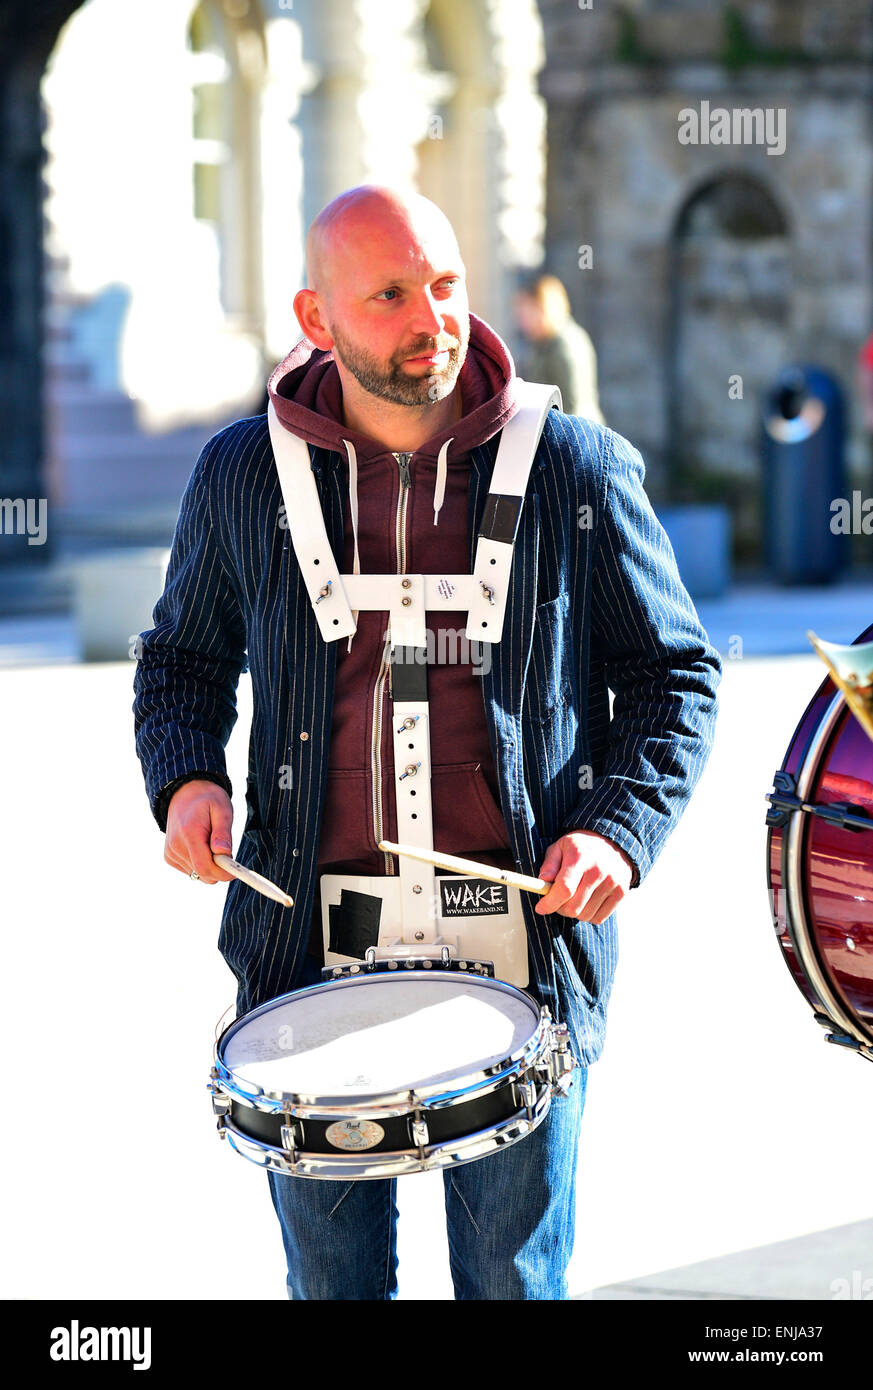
(510, 1219)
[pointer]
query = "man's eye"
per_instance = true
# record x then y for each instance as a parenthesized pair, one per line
(381, 292)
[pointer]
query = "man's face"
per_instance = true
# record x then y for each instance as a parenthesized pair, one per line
(395, 298)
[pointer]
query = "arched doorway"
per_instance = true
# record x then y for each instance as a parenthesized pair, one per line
(729, 326)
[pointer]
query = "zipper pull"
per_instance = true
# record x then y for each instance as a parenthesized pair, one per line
(403, 465)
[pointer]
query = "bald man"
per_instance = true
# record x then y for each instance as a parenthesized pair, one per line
(401, 394)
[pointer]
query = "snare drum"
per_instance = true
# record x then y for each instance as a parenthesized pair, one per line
(393, 1068)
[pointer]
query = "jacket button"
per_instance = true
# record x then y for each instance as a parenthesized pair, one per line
(304, 735)
(295, 852)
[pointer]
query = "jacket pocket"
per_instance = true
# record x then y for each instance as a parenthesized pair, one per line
(548, 688)
(466, 816)
(346, 830)
(254, 820)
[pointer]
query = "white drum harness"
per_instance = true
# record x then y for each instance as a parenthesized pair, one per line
(413, 897)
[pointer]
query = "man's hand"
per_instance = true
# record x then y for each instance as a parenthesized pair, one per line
(199, 821)
(590, 876)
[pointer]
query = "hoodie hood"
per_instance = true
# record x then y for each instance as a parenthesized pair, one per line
(306, 392)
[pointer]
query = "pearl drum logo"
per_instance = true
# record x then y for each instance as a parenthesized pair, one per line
(472, 897)
(354, 1134)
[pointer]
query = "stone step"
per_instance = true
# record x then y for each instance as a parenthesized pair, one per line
(79, 408)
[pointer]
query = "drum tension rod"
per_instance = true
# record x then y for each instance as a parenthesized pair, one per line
(784, 801)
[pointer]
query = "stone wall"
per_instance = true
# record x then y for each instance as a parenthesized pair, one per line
(619, 179)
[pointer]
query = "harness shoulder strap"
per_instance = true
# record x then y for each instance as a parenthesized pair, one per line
(305, 521)
(519, 441)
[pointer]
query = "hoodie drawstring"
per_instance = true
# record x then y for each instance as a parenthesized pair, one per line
(439, 491)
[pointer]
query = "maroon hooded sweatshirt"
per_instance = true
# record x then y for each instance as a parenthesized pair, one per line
(360, 804)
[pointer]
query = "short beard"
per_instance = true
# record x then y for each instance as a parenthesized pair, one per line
(395, 384)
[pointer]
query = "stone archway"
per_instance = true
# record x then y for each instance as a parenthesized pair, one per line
(27, 35)
(730, 303)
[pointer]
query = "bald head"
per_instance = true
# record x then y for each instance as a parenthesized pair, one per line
(368, 218)
(386, 293)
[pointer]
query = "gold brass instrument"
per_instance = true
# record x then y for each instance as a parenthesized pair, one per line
(851, 670)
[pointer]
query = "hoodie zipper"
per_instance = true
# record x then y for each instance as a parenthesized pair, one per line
(403, 461)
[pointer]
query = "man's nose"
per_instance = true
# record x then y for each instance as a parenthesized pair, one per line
(427, 316)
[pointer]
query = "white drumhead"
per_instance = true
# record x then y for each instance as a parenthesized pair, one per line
(379, 1035)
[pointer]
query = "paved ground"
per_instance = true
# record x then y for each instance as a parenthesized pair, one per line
(796, 1268)
(719, 1125)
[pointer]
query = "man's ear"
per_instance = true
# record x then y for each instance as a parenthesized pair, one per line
(307, 307)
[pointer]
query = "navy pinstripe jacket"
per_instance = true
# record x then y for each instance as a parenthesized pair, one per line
(595, 603)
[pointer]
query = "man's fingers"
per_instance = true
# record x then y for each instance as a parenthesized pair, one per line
(199, 824)
(589, 877)
(591, 910)
(190, 852)
(200, 857)
(220, 842)
(551, 865)
(608, 907)
(565, 887)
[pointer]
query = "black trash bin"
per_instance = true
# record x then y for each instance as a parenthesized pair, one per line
(804, 472)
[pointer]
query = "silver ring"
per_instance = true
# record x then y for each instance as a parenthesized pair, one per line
(193, 874)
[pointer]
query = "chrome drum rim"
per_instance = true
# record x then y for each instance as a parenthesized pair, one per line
(476, 1082)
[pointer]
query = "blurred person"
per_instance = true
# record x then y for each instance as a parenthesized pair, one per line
(555, 347)
(395, 372)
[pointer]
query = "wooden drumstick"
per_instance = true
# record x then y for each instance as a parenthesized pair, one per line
(256, 881)
(470, 866)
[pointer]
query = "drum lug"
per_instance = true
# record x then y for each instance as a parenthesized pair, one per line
(290, 1137)
(561, 1060)
(419, 1134)
(526, 1092)
(220, 1102)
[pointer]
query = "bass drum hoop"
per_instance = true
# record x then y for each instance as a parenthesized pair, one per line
(797, 916)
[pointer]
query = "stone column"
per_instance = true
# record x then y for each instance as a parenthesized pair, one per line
(21, 300)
